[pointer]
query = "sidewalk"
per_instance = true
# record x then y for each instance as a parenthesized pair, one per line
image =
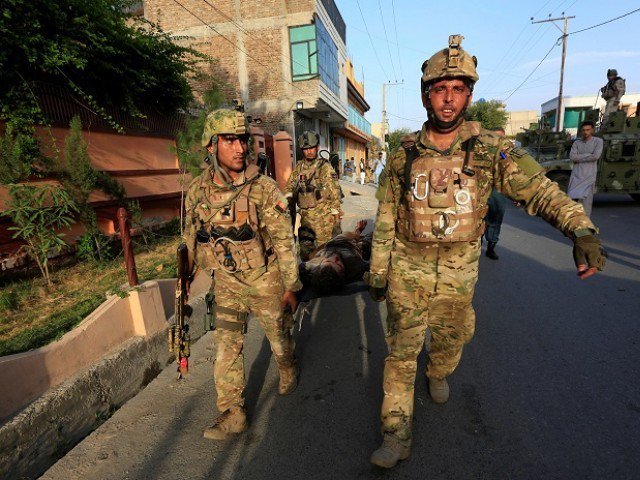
(158, 434)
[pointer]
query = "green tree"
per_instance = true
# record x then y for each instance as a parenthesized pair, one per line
(79, 178)
(13, 149)
(490, 114)
(37, 212)
(108, 57)
(394, 139)
(188, 141)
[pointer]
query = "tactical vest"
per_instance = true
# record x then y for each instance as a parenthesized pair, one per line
(235, 242)
(310, 193)
(441, 200)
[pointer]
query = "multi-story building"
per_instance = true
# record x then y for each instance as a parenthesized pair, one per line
(285, 59)
(353, 140)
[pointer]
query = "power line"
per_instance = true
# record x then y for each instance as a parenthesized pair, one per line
(236, 46)
(395, 26)
(248, 33)
(371, 40)
(387, 41)
(604, 23)
(555, 44)
(408, 119)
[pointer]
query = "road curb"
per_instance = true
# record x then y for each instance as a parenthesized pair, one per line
(35, 438)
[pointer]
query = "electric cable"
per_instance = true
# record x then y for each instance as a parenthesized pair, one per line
(395, 26)
(237, 47)
(604, 23)
(555, 44)
(387, 41)
(248, 33)
(370, 39)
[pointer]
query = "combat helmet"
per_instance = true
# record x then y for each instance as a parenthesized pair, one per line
(450, 62)
(308, 139)
(224, 121)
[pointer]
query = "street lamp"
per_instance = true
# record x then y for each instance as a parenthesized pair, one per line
(299, 105)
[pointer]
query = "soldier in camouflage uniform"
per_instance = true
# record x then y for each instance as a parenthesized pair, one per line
(238, 228)
(612, 92)
(432, 198)
(314, 186)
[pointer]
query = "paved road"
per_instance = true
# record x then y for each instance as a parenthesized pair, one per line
(549, 388)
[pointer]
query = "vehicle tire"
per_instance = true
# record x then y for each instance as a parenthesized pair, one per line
(635, 196)
(561, 178)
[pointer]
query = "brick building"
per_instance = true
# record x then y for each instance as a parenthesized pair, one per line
(284, 58)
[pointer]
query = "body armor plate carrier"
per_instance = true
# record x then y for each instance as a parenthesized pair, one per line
(441, 199)
(309, 192)
(235, 242)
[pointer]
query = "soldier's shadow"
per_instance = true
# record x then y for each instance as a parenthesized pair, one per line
(319, 431)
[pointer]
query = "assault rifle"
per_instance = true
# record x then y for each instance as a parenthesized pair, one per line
(179, 336)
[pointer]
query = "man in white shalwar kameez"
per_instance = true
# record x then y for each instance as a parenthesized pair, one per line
(585, 153)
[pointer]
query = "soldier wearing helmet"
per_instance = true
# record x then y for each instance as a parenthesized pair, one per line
(433, 197)
(237, 227)
(314, 187)
(612, 92)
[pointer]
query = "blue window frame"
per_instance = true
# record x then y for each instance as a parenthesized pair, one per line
(304, 52)
(313, 53)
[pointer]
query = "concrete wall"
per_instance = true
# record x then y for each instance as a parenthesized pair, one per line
(32, 373)
(519, 120)
(87, 375)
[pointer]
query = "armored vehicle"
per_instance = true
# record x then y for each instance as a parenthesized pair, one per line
(618, 166)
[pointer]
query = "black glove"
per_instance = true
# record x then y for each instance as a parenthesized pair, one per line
(588, 255)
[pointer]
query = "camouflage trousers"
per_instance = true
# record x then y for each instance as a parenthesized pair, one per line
(321, 222)
(430, 286)
(261, 297)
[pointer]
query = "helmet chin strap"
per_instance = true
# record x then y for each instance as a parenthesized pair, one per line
(444, 127)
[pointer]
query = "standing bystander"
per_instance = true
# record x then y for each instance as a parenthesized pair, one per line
(585, 153)
(497, 204)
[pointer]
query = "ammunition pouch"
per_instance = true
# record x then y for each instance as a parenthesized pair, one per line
(238, 326)
(310, 197)
(442, 202)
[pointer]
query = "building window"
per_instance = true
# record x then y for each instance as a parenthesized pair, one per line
(327, 58)
(314, 53)
(359, 121)
(573, 117)
(304, 52)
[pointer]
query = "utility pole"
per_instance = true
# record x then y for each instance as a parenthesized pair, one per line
(384, 108)
(559, 119)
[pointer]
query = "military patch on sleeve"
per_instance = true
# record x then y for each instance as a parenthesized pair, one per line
(525, 162)
(281, 206)
(518, 152)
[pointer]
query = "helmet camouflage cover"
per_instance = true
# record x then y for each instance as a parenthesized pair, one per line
(308, 139)
(224, 121)
(450, 62)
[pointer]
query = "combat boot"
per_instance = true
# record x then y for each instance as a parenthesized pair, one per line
(229, 422)
(288, 379)
(391, 451)
(439, 390)
(491, 251)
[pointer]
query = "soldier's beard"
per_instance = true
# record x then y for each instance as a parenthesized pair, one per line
(444, 127)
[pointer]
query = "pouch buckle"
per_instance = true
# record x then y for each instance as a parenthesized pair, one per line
(416, 183)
